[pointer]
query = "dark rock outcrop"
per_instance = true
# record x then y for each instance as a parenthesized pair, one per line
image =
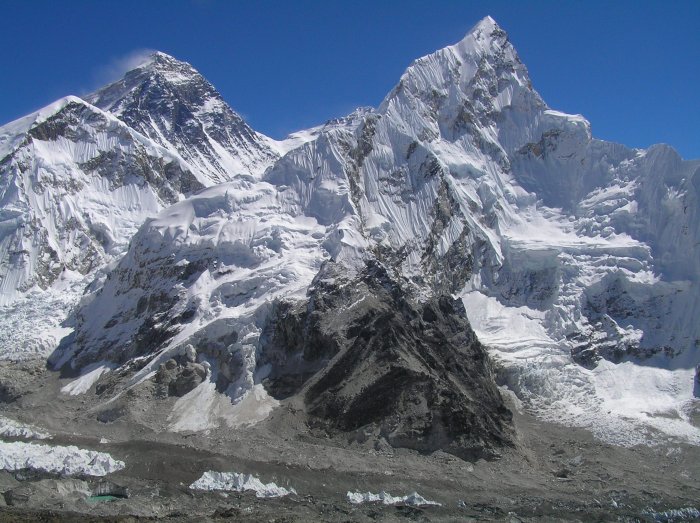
(171, 103)
(177, 377)
(368, 359)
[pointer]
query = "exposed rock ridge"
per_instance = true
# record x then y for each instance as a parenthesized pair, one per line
(171, 103)
(370, 360)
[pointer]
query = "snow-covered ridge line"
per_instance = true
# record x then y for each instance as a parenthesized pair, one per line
(235, 482)
(12, 133)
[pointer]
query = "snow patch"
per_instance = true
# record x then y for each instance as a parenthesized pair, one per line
(414, 499)
(14, 429)
(67, 461)
(204, 408)
(235, 482)
(91, 374)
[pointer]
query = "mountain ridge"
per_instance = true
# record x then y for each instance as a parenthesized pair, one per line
(463, 182)
(171, 103)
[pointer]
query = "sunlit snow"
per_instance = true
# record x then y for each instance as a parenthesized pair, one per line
(235, 482)
(414, 499)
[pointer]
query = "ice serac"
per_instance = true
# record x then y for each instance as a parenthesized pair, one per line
(576, 260)
(171, 103)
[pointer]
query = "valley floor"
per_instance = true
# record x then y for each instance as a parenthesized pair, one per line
(555, 473)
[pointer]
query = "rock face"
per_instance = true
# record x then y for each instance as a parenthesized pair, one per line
(171, 103)
(177, 378)
(369, 360)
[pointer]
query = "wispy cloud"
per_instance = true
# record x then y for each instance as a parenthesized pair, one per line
(117, 67)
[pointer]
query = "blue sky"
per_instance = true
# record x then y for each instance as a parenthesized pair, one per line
(631, 68)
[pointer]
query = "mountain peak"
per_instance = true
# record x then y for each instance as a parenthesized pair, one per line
(163, 60)
(167, 67)
(155, 70)
(160, 55)
(475, 69)
(485, 24)
(486, 37)
(169, 101)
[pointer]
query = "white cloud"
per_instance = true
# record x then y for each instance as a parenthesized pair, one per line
(117, 67)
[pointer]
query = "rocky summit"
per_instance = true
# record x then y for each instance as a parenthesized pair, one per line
(460, 291)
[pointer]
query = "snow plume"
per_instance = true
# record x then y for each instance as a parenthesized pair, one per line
(119, 66)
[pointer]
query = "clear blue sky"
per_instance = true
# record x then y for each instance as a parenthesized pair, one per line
(632, 68)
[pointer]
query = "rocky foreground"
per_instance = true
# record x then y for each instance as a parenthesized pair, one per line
(550, 472)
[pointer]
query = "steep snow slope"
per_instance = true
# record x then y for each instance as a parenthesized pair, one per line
(576, 259)
(171, 103)
(221, 257)
(75, 185)
(588, 249)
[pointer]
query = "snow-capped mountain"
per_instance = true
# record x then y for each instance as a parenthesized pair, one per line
(576, 260)
(75, 185)
(77, 182)
(171, 103)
